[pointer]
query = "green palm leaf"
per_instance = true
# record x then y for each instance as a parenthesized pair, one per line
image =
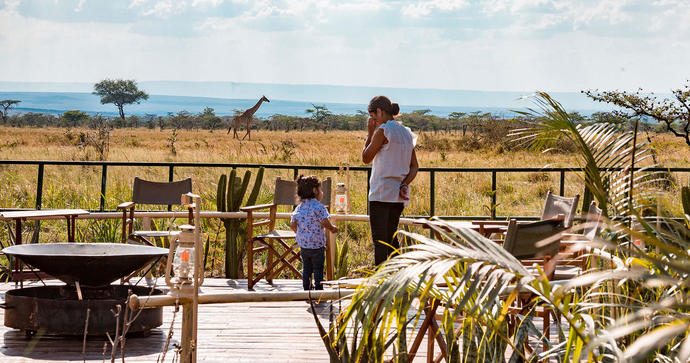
(632, 304)
(605, 154)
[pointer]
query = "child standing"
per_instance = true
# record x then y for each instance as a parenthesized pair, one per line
(309, 220)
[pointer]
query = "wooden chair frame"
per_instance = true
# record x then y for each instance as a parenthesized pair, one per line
(281, 255)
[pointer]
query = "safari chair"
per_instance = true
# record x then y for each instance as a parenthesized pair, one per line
(281, 255)
(152, 193)
(574, 246)
(532, 243)
(555, 205)
(535, 243)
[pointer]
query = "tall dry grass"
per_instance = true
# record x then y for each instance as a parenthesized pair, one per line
(456, 193)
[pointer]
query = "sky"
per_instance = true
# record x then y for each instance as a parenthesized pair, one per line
(489, 45)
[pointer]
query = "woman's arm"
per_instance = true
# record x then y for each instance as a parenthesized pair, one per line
(373, 145)
(414, 168)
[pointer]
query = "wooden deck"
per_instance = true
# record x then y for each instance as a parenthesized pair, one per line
(240, 332)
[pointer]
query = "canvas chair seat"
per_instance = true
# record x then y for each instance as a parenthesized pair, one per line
(555, 205)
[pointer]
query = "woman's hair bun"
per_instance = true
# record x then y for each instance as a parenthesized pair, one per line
(384, 104)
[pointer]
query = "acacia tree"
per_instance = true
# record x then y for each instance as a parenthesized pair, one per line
(675, 114)
(320, 115)
(119, 92)
(209, 119)
(6, 106)
(455, 118)
(74, 117)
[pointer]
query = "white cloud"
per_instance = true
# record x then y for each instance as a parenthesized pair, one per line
(164, 8)
(12, 4)
(137, 3)
(80, 6)
(213, 3)
(506, 45)
(515, 6)
(424, 8)
(359, 6)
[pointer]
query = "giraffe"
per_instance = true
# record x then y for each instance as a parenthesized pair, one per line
(246, 117)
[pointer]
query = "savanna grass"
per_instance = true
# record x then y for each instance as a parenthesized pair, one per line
(467, 194)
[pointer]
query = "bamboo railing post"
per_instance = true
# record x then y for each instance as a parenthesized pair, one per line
(187, 341)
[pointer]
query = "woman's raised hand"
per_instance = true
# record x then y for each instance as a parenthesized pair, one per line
(371, 125)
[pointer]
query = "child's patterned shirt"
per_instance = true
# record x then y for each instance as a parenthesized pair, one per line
(308, 216)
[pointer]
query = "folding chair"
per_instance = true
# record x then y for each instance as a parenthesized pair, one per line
(535, 243)
(555, 205)
(281, 255)
(574, 246)
(153, 193)
(531, 242)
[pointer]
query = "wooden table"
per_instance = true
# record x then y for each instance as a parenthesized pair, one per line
(485, 228)
(27, 215)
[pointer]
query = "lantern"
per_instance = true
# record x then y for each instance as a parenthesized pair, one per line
(187, 249)
(341, 198)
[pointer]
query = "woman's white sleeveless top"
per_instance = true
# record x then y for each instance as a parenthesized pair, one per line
(391, 163)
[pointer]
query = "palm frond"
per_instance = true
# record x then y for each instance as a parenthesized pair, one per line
(632, 303)
(605, 155)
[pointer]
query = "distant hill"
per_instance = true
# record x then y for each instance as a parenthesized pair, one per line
(225, 97)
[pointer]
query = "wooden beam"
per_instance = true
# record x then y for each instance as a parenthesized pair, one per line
(135, 302)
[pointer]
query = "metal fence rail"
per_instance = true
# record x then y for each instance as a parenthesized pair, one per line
(40, 164)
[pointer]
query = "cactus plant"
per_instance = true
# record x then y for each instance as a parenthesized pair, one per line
(229, 197)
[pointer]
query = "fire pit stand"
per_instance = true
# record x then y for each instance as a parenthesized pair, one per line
(88, 269)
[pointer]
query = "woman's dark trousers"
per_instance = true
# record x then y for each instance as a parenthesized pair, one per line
(312, 262)
(383, 219)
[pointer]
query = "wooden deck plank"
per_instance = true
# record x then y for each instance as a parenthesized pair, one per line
(251, 332)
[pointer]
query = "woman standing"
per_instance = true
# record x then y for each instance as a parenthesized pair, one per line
(390, 146)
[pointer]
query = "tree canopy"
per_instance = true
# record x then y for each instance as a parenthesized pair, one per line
(675, 114)
(6, 106)
(209, 119)
(320, 114)
(119, 92)
(74, 117)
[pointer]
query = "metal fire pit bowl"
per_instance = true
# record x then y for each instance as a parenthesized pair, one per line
(91, 264)
(44, 309)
